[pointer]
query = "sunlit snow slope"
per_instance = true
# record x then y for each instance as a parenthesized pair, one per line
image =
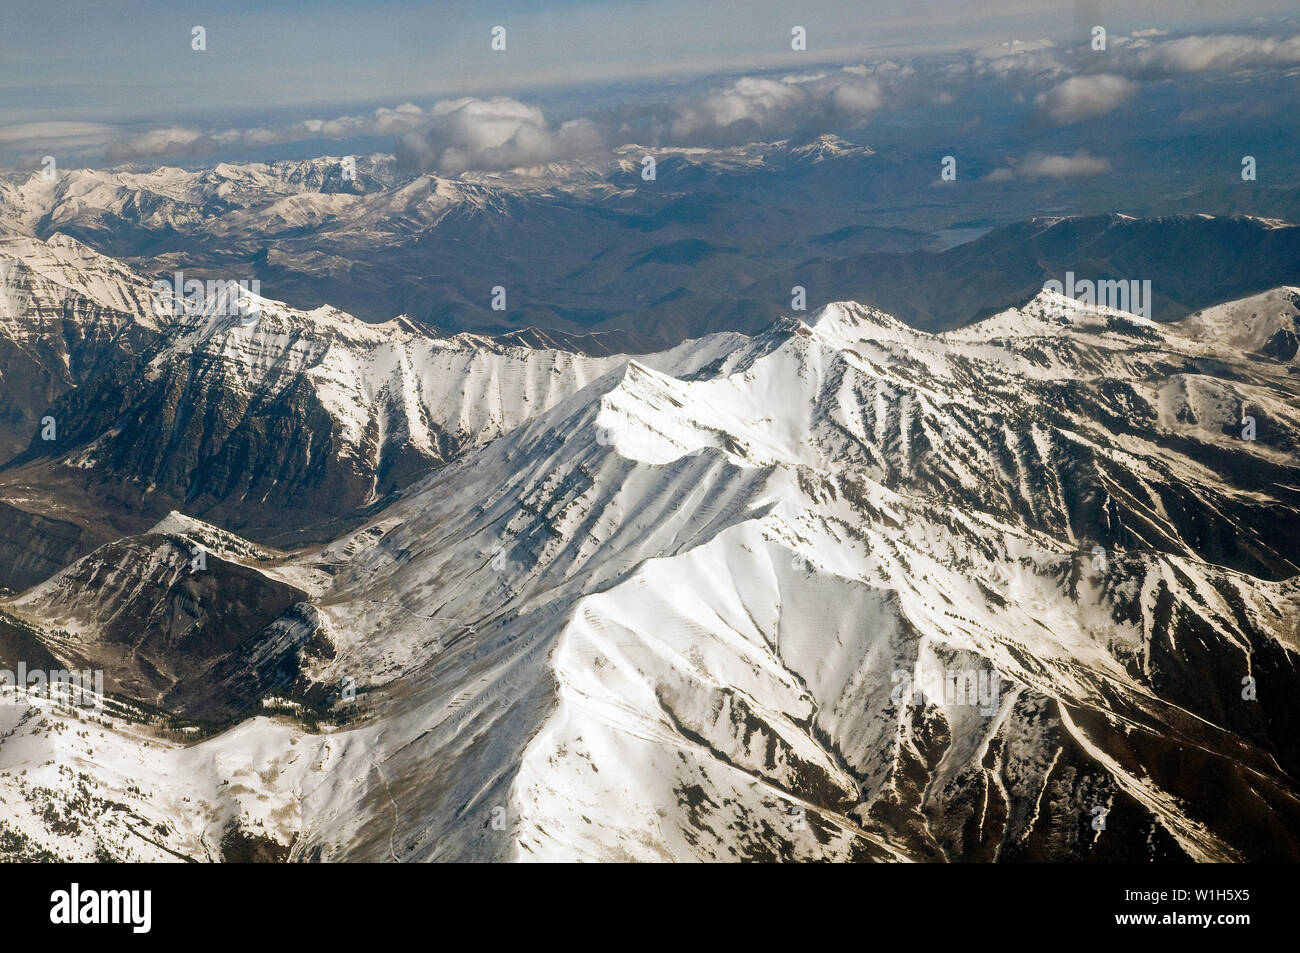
(844, 590)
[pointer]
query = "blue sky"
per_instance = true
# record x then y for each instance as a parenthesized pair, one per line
(131, 60)
(102, 71)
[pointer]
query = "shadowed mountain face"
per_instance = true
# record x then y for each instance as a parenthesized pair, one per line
(35, 546)
(280, 428)
(67, 315)
(165, 622)
(1192, 262)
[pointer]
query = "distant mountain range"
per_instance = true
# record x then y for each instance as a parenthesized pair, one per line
(716, 241)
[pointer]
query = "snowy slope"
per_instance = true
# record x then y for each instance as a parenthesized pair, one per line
(66, 314)
(844, 590)
(1266, 323)
(307, 415)
(269, 198)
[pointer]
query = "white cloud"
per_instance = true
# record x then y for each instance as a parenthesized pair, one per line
(467, 134)
(502, 133)
(1217, 53)
(52, 136)
(1084, 97)
(754, 106)
(1062, 166)
(174, 140)
(495, 134)
(1017, 58)
(1040, 166)
(183, 140)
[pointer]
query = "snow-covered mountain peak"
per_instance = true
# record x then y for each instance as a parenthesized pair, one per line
(1267, 323)
(236, 321)
(51, 272)
(677, 594)
(829, 146)
(1050, 314)
(844, 323)
(651, 417)
(61, 240)
(59, 249)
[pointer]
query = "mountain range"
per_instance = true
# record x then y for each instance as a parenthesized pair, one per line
(716, 241)
(822, 585)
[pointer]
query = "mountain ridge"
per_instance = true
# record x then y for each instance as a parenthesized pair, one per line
(666, 617)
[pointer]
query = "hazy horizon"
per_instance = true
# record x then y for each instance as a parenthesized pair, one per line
(579, 77)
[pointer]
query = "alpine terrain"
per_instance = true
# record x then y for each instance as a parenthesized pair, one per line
(835, 588)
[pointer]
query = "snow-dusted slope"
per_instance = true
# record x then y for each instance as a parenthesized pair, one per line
(268, 198)
(394, 387)
(67, 313)
(303, 416)
(844, 591)
(173, 198)
(49, 273)
(1267, 323)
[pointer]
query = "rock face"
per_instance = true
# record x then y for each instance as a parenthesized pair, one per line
(282, 427)
(67, 314)
(34, 547)
(842, 590)
(161, 616)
